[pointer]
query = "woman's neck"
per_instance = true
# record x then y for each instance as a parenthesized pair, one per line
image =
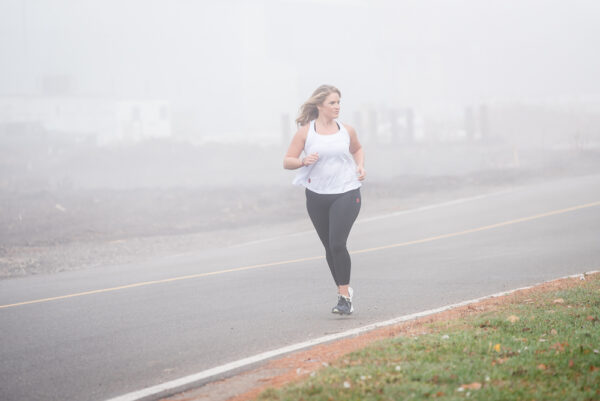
(325, 122)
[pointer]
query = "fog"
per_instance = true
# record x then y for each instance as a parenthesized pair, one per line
(134, 118)
(233, 67)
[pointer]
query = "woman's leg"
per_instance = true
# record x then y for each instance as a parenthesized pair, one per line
(342, 214)
(318, 206)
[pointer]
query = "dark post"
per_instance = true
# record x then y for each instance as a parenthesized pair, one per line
(484, 122)
(394, 126)
(469, 123)
(358, 123)
(410, 125)
(372, 121)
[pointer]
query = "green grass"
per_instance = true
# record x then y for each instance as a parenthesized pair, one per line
(550, 353)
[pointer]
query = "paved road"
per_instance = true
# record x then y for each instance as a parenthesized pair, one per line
(98, 345)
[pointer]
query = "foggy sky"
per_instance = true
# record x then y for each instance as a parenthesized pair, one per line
(235, 59)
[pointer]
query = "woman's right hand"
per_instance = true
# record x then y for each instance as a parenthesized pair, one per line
(310, 159)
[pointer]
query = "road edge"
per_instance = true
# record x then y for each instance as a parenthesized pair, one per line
(188, 388)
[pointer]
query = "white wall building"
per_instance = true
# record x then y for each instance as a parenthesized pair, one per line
(108, 120)
(137, 120)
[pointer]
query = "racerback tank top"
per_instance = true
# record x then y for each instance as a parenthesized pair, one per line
(335, 171)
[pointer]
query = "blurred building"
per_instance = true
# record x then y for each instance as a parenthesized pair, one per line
(142, 119)
(398, 125)
(562, 122)
(104, 120)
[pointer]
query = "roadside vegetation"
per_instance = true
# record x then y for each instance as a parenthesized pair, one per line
(546, 347)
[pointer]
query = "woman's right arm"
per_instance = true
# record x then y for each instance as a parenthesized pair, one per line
(292, 160)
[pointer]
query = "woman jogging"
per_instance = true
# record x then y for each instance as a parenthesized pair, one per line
(331, 170)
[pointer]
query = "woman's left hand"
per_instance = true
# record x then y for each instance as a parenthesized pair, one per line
(360, 170)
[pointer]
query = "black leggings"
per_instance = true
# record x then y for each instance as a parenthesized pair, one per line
(333, 216)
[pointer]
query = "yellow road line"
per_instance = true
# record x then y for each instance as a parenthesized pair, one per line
(483, 228)
(167, 280)
(237, 269)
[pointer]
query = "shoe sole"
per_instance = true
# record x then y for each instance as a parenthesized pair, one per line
(338, 312)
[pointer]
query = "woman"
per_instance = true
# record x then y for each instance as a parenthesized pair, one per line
(331, 170)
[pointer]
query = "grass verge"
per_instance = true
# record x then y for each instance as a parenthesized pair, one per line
(545, 347)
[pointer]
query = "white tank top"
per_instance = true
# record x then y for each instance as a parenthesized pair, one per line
(335, 171)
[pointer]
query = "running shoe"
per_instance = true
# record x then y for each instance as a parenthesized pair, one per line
(344, 306)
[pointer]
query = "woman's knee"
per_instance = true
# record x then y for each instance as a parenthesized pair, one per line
(338, 247)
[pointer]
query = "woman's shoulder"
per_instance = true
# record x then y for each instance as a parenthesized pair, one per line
(303, 130)
(306, 127)
(349, 128)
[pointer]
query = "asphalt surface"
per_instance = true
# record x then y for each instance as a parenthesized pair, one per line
(99, 345)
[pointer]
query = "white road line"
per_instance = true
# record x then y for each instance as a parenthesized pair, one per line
(285, 262)
(433, 206)
(361, 220)
(172, 386)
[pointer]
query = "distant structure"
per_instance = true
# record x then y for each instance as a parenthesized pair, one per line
(553, 122)
(358, 123)
(402, 126)
(394, 125)
(484, 124)
(373, 125)
(388, 126)
(104, 119)
(142, 119)
(366, 122)
(470, 123)
(477, 123)
(286, 128)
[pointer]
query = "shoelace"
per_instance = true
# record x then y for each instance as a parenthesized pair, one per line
(343, 302)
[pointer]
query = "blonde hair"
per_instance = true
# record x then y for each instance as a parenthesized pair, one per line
(309, 110)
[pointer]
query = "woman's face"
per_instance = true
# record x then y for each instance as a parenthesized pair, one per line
(330, 108)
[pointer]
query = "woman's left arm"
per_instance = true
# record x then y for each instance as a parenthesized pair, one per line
(357, 153)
